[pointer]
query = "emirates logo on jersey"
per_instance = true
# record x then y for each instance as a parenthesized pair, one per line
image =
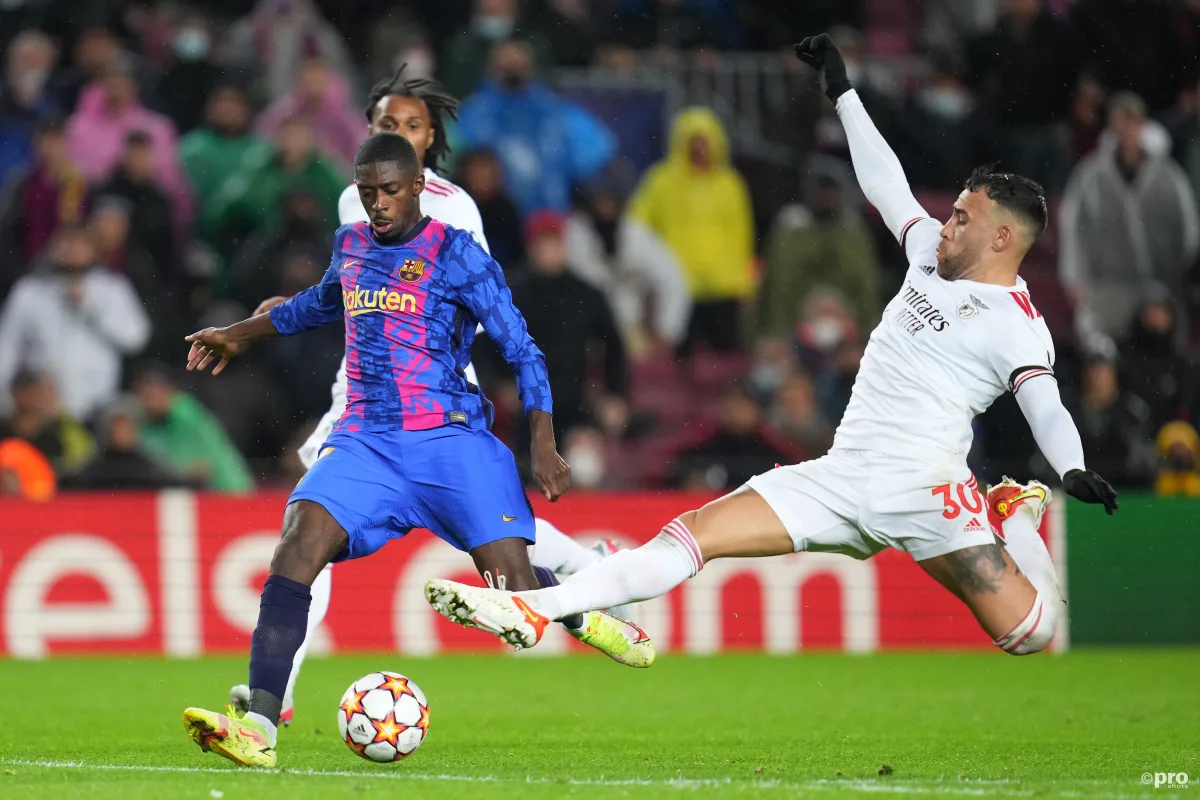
(920, 313)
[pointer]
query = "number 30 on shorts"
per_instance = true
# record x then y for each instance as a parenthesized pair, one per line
(968, 498)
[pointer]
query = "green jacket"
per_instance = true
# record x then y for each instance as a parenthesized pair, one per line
(191, 435)
(251, 200)
(804, 257)
(211, 159)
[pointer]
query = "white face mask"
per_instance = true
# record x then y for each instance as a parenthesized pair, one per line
(827, 332)
(949, 104)
(29, 82)
(587, 467)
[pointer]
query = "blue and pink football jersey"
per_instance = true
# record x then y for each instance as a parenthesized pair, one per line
(411, 309)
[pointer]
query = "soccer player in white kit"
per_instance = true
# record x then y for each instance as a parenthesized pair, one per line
(415, 109)
(961, 332)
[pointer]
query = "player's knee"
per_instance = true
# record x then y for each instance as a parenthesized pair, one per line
(311, 538)
(1034, 633)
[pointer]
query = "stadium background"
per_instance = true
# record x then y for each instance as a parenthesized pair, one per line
(192, 155)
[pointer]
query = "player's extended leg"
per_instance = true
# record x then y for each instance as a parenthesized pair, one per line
(741, 524)
(1010, 586)
(311, 539)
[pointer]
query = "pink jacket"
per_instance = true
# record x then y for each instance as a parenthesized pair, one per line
(338, 127)
(97, 141)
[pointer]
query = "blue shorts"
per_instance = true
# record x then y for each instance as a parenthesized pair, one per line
(461, 483)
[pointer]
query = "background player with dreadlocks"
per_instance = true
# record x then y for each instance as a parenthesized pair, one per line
(416, 109)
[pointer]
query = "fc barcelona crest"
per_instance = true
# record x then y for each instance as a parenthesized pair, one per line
(412, 270)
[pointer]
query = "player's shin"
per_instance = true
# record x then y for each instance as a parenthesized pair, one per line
(321, 589)
(648, 571)
(282, 621)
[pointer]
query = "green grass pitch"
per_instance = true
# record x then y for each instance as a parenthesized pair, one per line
(1086, 724)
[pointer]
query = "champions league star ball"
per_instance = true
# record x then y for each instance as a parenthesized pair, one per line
(383, 717)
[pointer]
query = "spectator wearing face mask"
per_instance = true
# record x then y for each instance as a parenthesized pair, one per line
(109, 111)
(938, 138)
(39, 419)
(825, 244)
(25, 99)
(466, 58)
(75, 320)
(825, 323)
(544, 142)
(191, 75)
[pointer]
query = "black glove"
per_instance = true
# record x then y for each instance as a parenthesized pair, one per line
(1087, 486)
(820, 53)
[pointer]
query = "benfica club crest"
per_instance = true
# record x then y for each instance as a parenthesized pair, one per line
(412, 270)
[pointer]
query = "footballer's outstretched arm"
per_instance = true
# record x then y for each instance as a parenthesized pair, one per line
(878, 170)
(318, 305)
(488, 297)
(1058, 438)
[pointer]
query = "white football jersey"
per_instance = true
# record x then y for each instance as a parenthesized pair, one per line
(943, 352)
(442, 200)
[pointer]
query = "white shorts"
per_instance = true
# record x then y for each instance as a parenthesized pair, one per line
(857, 503)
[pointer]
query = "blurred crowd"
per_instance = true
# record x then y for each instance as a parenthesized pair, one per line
(167, 166)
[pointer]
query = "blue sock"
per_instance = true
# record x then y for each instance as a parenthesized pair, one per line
(546, 579)
(282, 622)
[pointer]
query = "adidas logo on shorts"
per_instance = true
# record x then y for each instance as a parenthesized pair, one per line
(974, 527)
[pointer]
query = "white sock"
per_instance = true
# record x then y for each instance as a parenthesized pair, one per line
(558, 552)
(321, 590)
(272, 731)
(1026, 547)
(629, 576)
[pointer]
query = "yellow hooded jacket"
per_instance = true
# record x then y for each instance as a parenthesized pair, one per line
(704, 217)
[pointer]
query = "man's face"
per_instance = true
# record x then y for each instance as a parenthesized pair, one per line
(699, 153)
(314, 80)
(119, 89)
(965, 235)
(36, 397)
(227, 112)
(407, 116)
(73, 252)
(294, 142)
(52, 148)
(390, 197)
(548, 254)
(139, 161)
(155, 396)
(512, 66)
(1128, 129)
(739, 414)
(111, 229)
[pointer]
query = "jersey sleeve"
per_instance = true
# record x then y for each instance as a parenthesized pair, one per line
(315, 306)
(1023, 352)
(483, 290)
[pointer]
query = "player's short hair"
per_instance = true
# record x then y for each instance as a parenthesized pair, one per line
(383, 147)
(441, 104)
(1023, 198)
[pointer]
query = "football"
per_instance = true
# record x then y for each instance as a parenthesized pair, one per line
(383, 717)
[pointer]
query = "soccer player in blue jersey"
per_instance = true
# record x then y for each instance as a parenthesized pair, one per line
(412, 449)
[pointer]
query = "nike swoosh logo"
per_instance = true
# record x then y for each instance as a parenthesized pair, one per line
(507, 518)
(532, 616)
(349, 264)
